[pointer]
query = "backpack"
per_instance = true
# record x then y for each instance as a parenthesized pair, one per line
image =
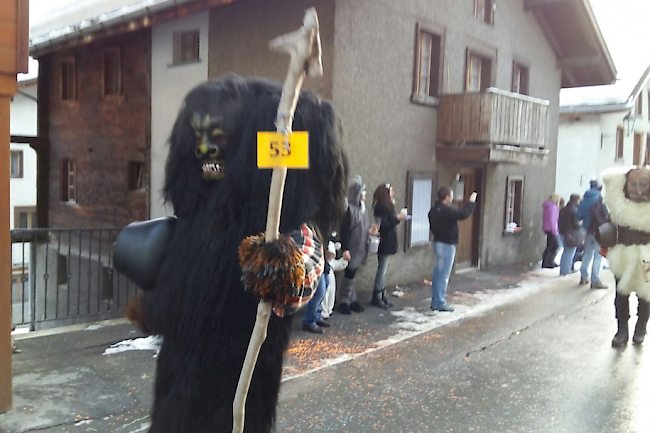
(599, 216)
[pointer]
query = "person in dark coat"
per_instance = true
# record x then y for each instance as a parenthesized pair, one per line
(383, 201)
(571, 234)
(443, 224)
(355, 230)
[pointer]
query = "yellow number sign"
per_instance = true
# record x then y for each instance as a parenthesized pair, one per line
(273, 151)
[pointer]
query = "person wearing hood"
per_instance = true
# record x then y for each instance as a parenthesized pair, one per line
(550, 215)
(571, 234)
(591, 254)
(354, 233)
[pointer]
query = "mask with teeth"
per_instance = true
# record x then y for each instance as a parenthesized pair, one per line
(211, 146)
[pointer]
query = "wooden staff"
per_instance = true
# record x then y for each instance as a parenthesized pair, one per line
(304, 47)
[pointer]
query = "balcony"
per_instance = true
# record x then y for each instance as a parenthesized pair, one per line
(493, 126)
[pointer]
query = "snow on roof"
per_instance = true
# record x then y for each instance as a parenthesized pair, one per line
(614, 97)
(597, 95)
(88, 25)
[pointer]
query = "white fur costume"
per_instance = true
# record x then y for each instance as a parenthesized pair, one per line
(627, 262)
(327, 306)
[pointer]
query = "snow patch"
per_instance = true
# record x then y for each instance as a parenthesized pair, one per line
(152, 342)
(93, 328)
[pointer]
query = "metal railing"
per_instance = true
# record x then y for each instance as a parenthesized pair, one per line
(65, 276)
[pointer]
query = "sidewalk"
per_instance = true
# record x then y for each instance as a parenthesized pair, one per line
(67, 382)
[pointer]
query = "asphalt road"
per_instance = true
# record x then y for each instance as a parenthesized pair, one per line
(543, 364)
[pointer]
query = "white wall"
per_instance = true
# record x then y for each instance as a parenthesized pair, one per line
(587, 145)
(169, 85)
(578, 154)
(22, 120)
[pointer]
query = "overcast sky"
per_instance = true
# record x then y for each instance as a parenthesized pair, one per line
(624, 24)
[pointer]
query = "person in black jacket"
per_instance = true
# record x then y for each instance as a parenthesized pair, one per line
(443, 223)
(383, 201)
(571, 234)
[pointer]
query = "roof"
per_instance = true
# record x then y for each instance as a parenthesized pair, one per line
(80, 26)
(602, 99)
(571, 28)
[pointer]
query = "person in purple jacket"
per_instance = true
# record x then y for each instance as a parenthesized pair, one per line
(551, 208)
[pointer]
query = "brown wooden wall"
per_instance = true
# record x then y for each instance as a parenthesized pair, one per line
(493, 117)
(101, 133)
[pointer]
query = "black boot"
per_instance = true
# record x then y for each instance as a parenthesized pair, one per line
(642, 322)
(357, 307)
(377, 300)
(622, 306)
(385, 299)
(344, 308)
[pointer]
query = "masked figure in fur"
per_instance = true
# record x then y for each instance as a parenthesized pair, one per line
(627, 237)
(198, 302)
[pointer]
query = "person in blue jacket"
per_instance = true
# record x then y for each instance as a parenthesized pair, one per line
(591, 255)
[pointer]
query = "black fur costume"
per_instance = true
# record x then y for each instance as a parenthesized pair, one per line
(198, 303)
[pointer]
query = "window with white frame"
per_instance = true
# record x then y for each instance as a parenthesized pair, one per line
(419, 201)
(514, 204)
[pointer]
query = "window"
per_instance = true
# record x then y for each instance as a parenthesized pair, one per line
(16, 164)
(646, 158)
(68, 80)
(478, 74)
(638, 145)
(484, 10)
(519, 78)
(68, 181)
(639, 104)
(620, 143)
(514, 204)
(186, 47)
(112, 72)
(25, 217)
(428, 63)
(420, 192)
(136, 175)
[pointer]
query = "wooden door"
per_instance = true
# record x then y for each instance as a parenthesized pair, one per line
(464, 250)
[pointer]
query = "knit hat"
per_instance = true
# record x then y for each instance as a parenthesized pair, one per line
(594, 184)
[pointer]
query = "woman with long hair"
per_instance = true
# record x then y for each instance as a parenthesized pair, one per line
(383, 201)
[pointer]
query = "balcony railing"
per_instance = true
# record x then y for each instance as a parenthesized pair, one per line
(494, 117)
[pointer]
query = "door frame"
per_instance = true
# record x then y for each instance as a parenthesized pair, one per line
(479, 171)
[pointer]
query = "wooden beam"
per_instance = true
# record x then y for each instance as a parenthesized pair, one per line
(534, 4)
(23, 36)
(579, 61)
(463, 153)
